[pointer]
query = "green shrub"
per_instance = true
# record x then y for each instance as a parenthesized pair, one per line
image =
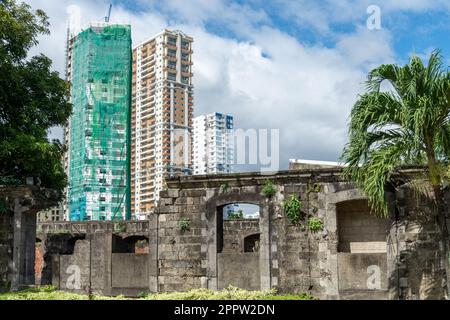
(120, 226)
(293, 207)
(223, 188)
(268, 189)
(315, 224)
(230, 293)
(236, 215)
(185, 224)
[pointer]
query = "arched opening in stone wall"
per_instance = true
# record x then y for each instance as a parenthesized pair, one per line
(251, 243)
(63, 244)
(131, 244)
(362, 251)
(238, 233)
(129, 262)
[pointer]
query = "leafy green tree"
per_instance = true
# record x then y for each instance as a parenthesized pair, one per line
(32, 99)
(406, 123)
(236, 215)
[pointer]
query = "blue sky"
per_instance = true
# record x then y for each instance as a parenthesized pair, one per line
(413, 29)
(293, 65)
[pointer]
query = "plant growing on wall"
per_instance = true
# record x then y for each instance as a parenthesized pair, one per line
(292, 207)
(223, 188)
(121, 226)
(268, 189)
(315, 187)
(315, 224)
(185, 224)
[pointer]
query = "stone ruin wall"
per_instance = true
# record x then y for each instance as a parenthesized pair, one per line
(351, 258)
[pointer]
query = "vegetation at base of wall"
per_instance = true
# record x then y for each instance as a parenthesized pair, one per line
(292, 207)
(268, 189)
(315, 224)
(50, 293)
(185, 224)
(236, 215)
(231, 293)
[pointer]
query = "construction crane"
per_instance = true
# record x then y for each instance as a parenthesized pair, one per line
(109, 13)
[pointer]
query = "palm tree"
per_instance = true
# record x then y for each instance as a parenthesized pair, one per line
(405, 122)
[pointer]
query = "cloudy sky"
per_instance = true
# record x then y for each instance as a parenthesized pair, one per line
(293, 65)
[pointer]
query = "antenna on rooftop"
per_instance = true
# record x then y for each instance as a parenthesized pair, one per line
(109, 13)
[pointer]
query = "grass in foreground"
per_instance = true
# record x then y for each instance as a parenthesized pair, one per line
(231, 293)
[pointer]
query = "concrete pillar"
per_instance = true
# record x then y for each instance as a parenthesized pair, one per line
(211, 270)
(264, 246)
(56, 276)
(100, 261)
(153, 253)
(23, 246)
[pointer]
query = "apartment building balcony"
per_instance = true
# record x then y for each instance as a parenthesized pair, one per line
(147, 122)
(148, 115)
(186, 61)
(170, 45)
(187, 50)
(148, 62)
(147, 71)
(147, 188)
(170, 57)
(147, 100)
(149, 77)
(187, 74)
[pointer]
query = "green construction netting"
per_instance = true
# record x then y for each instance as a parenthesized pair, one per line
(100, 124)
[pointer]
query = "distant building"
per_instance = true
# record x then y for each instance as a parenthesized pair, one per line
(53, 214)
(299, 164)
(161, 120)
(97, 161)
(213, 144)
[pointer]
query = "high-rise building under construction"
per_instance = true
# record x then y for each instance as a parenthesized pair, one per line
(162, 109)
(98, 135)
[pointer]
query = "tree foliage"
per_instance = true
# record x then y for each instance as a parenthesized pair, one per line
(401, 119)
(236, 215)
(33, 98)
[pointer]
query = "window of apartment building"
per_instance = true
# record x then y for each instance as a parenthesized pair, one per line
(171, 40)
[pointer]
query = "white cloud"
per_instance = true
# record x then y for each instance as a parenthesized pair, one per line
(270, 80)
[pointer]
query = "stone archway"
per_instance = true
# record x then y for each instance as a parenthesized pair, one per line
(217, 274)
